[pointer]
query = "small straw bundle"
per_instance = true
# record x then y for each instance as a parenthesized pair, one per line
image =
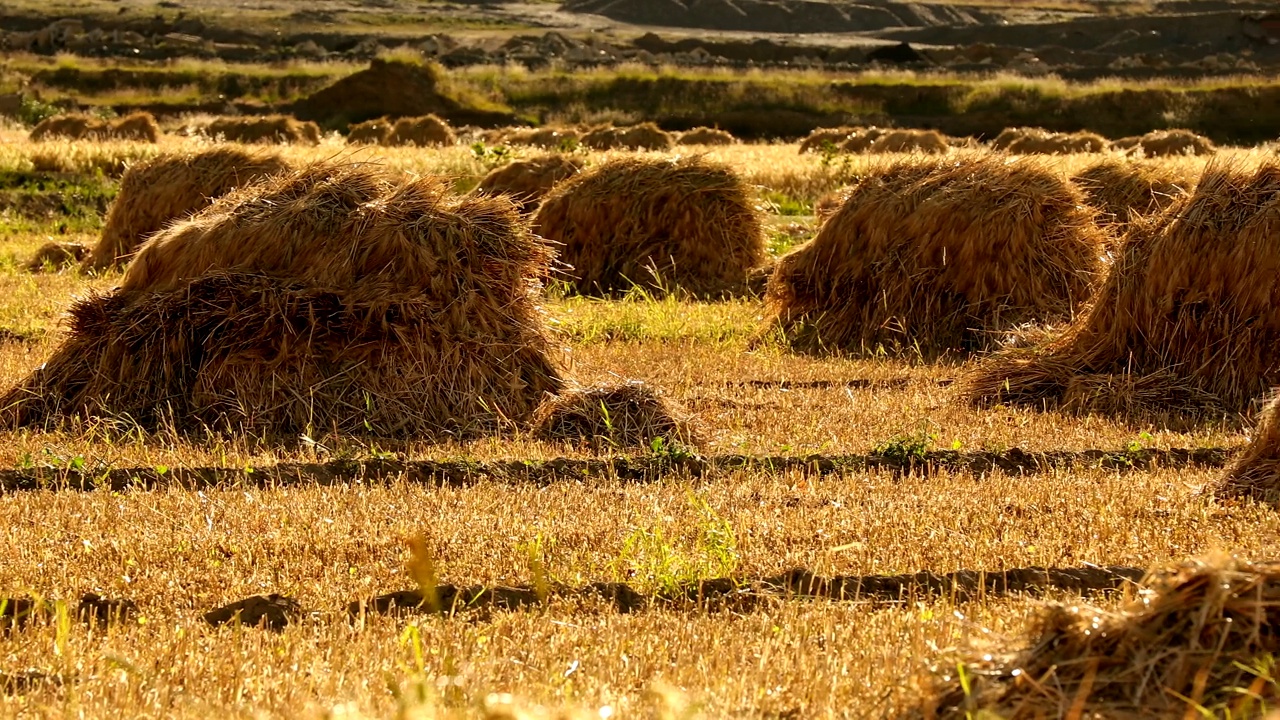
(1186, 323)
(1033, 142)
(645, 136)
(369, 132)
(862, 139)
(526, 182)
(56, 256)
(1194, 640)
(1165, 143)
(1255, 474)
(624, 415)
(928, 256)
(136, 127)
(706, 136)
(1009, 136)
(682, 224)
(337, 298)
(910, 141)
(826, 138)
(156, 192)
(425, 131)
(270, 129)
(1123, 189)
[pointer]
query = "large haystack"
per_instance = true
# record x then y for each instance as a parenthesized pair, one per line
(1255, 474)
(527, 181)
(645, 136)
(621, 416)
(334, 299)
(910, 141)
(369, 132)
(273, 129)
(1164, 143)
(157, 192)
(1191, 640)
(682, 224)
(929, 256)
(425, 131)
(1123, 188)
(826, 139)
(1186, 323)
(1047, 143)
(706, 136)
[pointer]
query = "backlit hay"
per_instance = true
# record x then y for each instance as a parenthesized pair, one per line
(1255, 474)
(826, 139)
(547, 138)
(56, 256)
(681, 224)
(706, 136)
(902, 141)
(369, 132)
(929, 256)
(1032, 143)
(861, 139)
(625, 415)
(1123, 188)
(1164, 143)
(527, 181)
(1010, 135)
(136, 127)
(1190, 640)
(271, 129)
(165, 189)
(645, 136)
(68, 127)
(335, 299)
(425, 131)
(1190, 312)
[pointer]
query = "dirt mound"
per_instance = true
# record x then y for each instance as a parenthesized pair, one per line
(780, 16)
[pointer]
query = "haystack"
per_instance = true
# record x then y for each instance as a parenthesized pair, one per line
(334, 299)
(275, 129)
(56, 256)
(826, 139)
(906, 141)
(645, 136)
(929, 256)
(1010, 135)
(1186, 323)
(706, 136)
(64, 127)
(861, 139)
(1123, 188)
(136, 127)
(546, 138)
(1033, 143)
(683, 224)
(425, 131)
(369, 132)
(157, 192)
(1255, 474)
(1164, 143)
(624, 415)
(527, 181)
(1189, 642)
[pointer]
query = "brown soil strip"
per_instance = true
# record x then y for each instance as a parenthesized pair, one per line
(462, 473)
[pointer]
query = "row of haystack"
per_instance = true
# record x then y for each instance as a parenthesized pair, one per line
(269, 129)
(875, 140)
(1017, 141)
(136, 127)
(424, 131)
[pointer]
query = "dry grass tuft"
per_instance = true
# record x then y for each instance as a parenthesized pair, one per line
(526, 182)
(425, 131)
(337, 298)
(645, 136)
(271, 129)
(1165, 143)
(168, 188)
(1188, 311)
(369, 132)
(931, 256)
(56, 256)
(706, 136)
(1123, 188)
(905, 141)
(624, 415)
(682, 224)
(1194, 638)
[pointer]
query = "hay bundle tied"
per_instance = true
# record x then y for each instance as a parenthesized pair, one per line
(1032, 143)
(1255, 474)
(1186, 322)
(936, 256)
(369, 132)
(68, 127)
(826, 139)
(861, 140)
(167, 188)
(1165, 143)
(270, 129)
(1010, 135)
(337, 298)
(135, 127)
(1123, 188)
(706, 136)
(684, 224)
(909, 141)
(527, 181)
(618, 416)
(645, 136)
(1197, 637)
(425, 131)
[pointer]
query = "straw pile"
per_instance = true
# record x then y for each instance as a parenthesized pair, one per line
(136, 127)
(56, 256)
(526, 182)
(547, 138)
(625, 415)
(167, 188)
(271, 129)
(1164, 143)
(929, 256)
(1189, 642)
(861, 139)
(825, 138)
(337, 298)
(706, 136)
(903, 141)
(1034, 142)
(1123, 188)
(425, 131)
(1008, 136)
(369, 132)
(1256, 473)
(645, 136)
(682, 224)
(1186, 323)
